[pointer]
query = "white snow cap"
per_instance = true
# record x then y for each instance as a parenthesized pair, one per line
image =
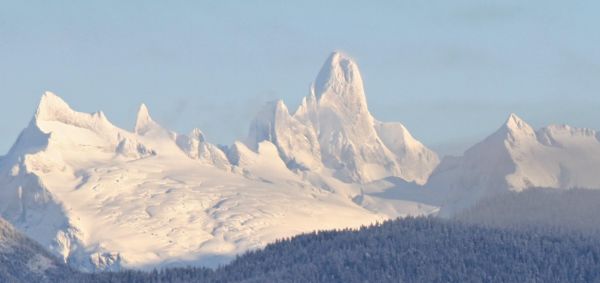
(515, 122)
(516, 130)
(144, 122)
(338, 69)
(339, 79)
(51, 106)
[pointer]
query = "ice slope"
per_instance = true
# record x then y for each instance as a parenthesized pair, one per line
(516, 157)
(103, 198)
(333, 129)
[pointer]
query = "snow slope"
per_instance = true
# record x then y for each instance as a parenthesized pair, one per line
(103, 198)
(333, 129)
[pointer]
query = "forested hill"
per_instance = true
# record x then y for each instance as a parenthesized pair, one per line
(23, 260)
(568, 211)
(408, 250)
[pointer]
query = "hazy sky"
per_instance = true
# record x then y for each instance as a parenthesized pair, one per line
(451, 71)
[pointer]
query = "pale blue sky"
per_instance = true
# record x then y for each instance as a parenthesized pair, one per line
(451, 71)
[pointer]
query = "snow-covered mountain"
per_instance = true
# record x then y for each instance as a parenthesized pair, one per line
(516, 157)
(333, 129)
(101, 197)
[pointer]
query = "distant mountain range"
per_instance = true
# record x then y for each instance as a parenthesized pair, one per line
(102, 198)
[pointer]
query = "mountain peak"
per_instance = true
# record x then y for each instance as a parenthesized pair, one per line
(515, 131)
(338, 56)
(339, 77)
(143, 112)
(263, 127)
(197, 134)
(144, 122)
(515, 122)
(51, 106)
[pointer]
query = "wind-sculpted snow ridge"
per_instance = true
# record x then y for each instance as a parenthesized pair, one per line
(333, 129)
(102, 198)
